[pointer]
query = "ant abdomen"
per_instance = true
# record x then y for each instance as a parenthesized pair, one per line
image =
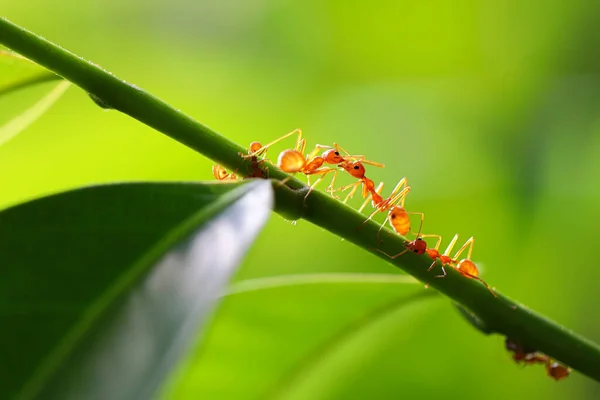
(400, 220)
(468, 267)
(290, 161)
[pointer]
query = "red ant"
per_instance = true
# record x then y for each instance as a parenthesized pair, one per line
(554, 370)
(255, 171)
(525, 355)
(466, 267)
(221, 174)
(294, 160)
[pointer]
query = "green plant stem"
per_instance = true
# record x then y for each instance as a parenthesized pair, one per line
(501, 314)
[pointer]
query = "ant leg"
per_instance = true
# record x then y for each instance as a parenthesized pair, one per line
(379, 231)
(451, 245)
(341, 189)
(432, 265)
(357, 157)
(371, 216)
(351, 194)
(266, 146)
(392, 257)
(480, 280)
(443, 273)
(438, 237)
(399, 188)
(321, 172)
(339, 149)
(330, 188)
(300, 146)
(352, 185)
(362, 207)
(283, 181)
(468, 243)
(420, 225)
(315, 151)
(373, 163)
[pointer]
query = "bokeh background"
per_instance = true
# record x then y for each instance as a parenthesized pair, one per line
(491, 109)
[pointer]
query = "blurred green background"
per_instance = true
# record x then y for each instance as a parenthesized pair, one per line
(491, 109)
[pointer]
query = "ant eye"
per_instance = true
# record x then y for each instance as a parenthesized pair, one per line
(416, 251)
(356, 167)
(337, 153)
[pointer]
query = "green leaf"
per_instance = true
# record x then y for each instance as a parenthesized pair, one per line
(17, 72)
(19, 123)
(286, 335)
(101, 288)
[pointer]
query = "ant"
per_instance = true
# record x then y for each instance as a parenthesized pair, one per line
(221, 174)
(294, 160)
(523, 354)
(466, 267)
(255, 171)
(554, 370)
(398, 216)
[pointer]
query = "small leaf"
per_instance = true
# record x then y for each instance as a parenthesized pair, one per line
(17, 72)
(101, 288)
(19, 123)
(270, 334)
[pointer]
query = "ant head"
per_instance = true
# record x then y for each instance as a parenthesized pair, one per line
(290, 161)
(354, 168)
(333, 156)
(417, 246)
